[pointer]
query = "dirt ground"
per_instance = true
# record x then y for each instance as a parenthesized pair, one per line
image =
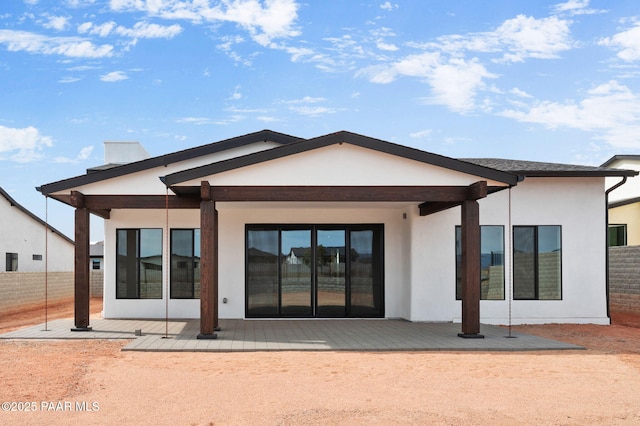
(93, 382)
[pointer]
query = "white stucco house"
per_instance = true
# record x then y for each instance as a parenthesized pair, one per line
(23, 241)
(378, 230)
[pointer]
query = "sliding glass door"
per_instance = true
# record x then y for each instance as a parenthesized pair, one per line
(331, 273)
(327, 271)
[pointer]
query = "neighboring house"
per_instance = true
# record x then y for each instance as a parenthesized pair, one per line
(391, 232)
(23, 241)
(96, 255)
(624, 203)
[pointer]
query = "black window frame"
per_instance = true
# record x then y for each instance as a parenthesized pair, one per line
(536, 259)
(348, 228)
(194, 264)
(10, 266)
(458, 295)
(617, 227)
(138, 262)
(36, 257)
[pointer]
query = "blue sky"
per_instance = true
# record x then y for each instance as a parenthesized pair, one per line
(532, 80)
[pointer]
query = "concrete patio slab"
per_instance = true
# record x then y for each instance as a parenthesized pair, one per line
(293, 335)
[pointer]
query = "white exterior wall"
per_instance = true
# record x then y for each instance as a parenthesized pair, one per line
(577, 205)
(24, 235)
(231, 280)
(148, 182)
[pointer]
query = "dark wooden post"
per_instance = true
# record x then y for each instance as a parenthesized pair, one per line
(208, 269)
(216, 322)
(470, 240)
(81, 267)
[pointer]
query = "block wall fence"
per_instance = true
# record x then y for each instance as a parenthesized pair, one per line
(25, 288)
(624, 278)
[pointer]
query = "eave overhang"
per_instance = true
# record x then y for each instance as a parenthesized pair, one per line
(338, 138)
(97, 175)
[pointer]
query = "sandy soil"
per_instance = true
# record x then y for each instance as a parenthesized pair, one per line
(93, 382)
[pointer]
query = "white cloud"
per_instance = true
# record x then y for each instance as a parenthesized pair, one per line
(627, 43)
(65, 80)
(147, 30)
(387, 46)
(305, 100)
(195, 120)
(114, 76)
(526, 37)
(22, 144)
(454, 82)
(268, 119)
(575, 7)
(520, 93)
(264, 21)
(421, 134)
(74, 47)
(515, 39)
(101, 30)
(388, 6)
(610, 111)
(140, 30)
(80, 3)
(82, 155)
(58, 23)
(312, 111)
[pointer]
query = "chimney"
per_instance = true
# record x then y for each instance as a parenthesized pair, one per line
(124, 152)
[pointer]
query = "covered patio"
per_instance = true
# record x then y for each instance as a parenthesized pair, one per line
(237, 335)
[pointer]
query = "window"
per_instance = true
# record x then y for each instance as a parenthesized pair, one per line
(617, 235)
(185, 263)
(537, 263)
(491, 263)
(37, 257)
(12, 262)
(95, 265)
(139, 264)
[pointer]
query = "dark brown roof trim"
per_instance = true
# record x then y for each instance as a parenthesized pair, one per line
(338, 138)
(613, 205)
(14, 203)
(619, 158)
(97, 174)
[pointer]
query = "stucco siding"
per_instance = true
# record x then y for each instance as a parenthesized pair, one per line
(340, 165)
(628, 215)
(24, 235)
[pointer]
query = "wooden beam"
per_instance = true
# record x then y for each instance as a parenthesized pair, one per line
(104, 203)
(428, 208)
(76, 199)
(477, 190)
(81, 270)
(208, 270)
(340, 193)
(205, 191)
(470, 243)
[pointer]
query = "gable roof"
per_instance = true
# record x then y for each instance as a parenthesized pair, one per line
(339, 138)
(617, 158)
(541, 169)
(24, 210)
(101, 173)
